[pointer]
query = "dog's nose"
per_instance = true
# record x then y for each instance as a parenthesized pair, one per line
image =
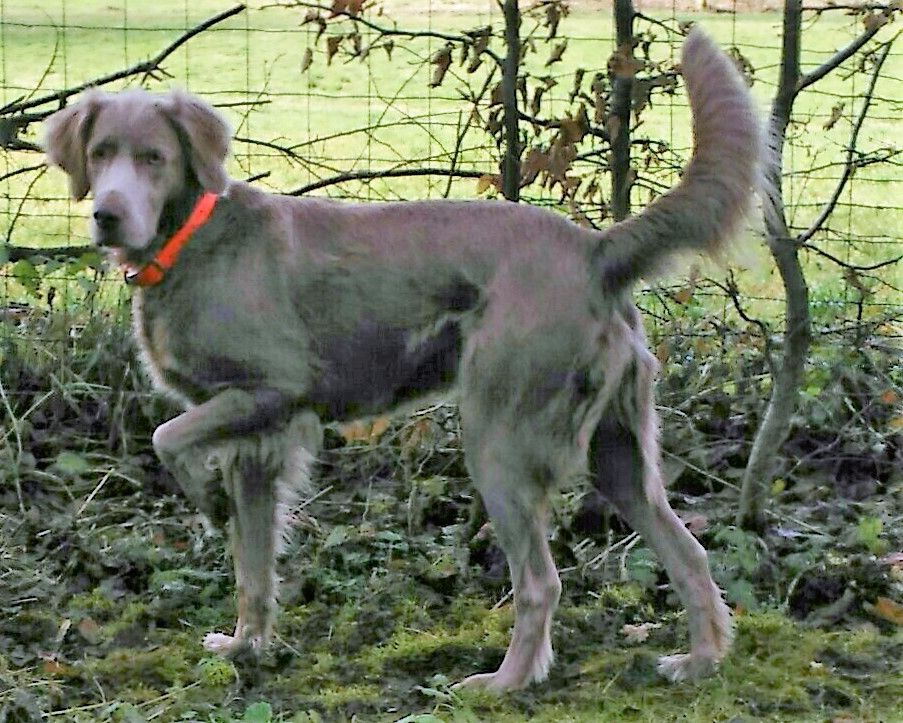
(106, 220)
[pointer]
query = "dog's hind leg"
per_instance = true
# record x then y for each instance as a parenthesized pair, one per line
(516, 502)
(262, 475)
(624, 460)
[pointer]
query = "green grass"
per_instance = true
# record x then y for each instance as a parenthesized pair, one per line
(257, 55)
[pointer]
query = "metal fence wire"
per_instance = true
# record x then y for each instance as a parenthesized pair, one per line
(400, 100)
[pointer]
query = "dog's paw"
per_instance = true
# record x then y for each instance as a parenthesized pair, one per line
(229, 646)
(487, 681)
(677, 668)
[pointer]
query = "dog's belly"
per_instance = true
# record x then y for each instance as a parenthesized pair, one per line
(377, 367)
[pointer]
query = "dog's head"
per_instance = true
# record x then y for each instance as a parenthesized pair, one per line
(137, 152)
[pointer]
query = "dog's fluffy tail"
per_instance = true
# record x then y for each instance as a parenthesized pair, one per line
(717, 188)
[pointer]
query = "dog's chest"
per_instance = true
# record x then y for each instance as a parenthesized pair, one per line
(158, 335)
(155, 342)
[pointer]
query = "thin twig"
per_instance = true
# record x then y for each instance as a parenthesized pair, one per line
(365, 175)
(852, 163)
(838, 58)
(145, 67)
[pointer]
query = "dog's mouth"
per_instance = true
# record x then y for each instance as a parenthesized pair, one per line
(118, 251)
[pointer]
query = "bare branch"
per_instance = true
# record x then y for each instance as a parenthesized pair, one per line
(385, 173)
(839, 57)
(852, 159)
(847, 264)
(146, 67)
(20, 171)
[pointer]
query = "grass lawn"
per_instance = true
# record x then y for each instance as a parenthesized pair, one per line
(380, 113)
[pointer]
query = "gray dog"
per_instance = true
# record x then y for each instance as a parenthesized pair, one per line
(264, 313)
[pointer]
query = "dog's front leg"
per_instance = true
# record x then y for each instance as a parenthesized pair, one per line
(186, 443)
(245, 450)
(262, 474)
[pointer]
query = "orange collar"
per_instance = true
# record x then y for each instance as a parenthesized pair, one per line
(153, 272)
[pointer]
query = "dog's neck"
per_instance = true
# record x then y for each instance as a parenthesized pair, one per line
(175, 212)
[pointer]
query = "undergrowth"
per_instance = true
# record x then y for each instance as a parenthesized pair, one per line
(393, 587)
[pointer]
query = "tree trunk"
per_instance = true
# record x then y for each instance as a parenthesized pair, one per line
(511, 160)
(621, 95)
(788, 374)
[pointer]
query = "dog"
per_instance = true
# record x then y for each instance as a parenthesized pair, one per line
(264, 314)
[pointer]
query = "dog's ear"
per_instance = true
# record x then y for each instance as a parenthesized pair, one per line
(66, 138)
(207, 135)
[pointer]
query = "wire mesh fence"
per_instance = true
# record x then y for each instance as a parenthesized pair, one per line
(399, 100)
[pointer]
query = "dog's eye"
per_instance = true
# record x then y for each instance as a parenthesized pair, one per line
(151, 157)
(98, 153)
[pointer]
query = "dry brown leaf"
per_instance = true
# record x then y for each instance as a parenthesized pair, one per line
(536, 103)
(90, 630)
(307, 59)
(561, 158)
(553, 18)
(535, 162)
(356, 42)
(578, 83)
(55, 667)
(638, 633)
(416, 435)
(557, 52)
(378, 427)
(874, 21)
(836, 115)
(361, 430)
(684, 296)
(889, 610)
(442, 60)
(890, 396)
(662, 352)
(487, 181)
(622, 64)
(497, 95)
(696, 523)
(476, 53)
(332, 47)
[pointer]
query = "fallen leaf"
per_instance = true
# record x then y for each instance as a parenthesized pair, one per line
(684, 296)
(889, 610)
(90, 631)
(55, 667)
(638, 633)
(361, 430)
(663, 351)
(890, 396)
(696, 523)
